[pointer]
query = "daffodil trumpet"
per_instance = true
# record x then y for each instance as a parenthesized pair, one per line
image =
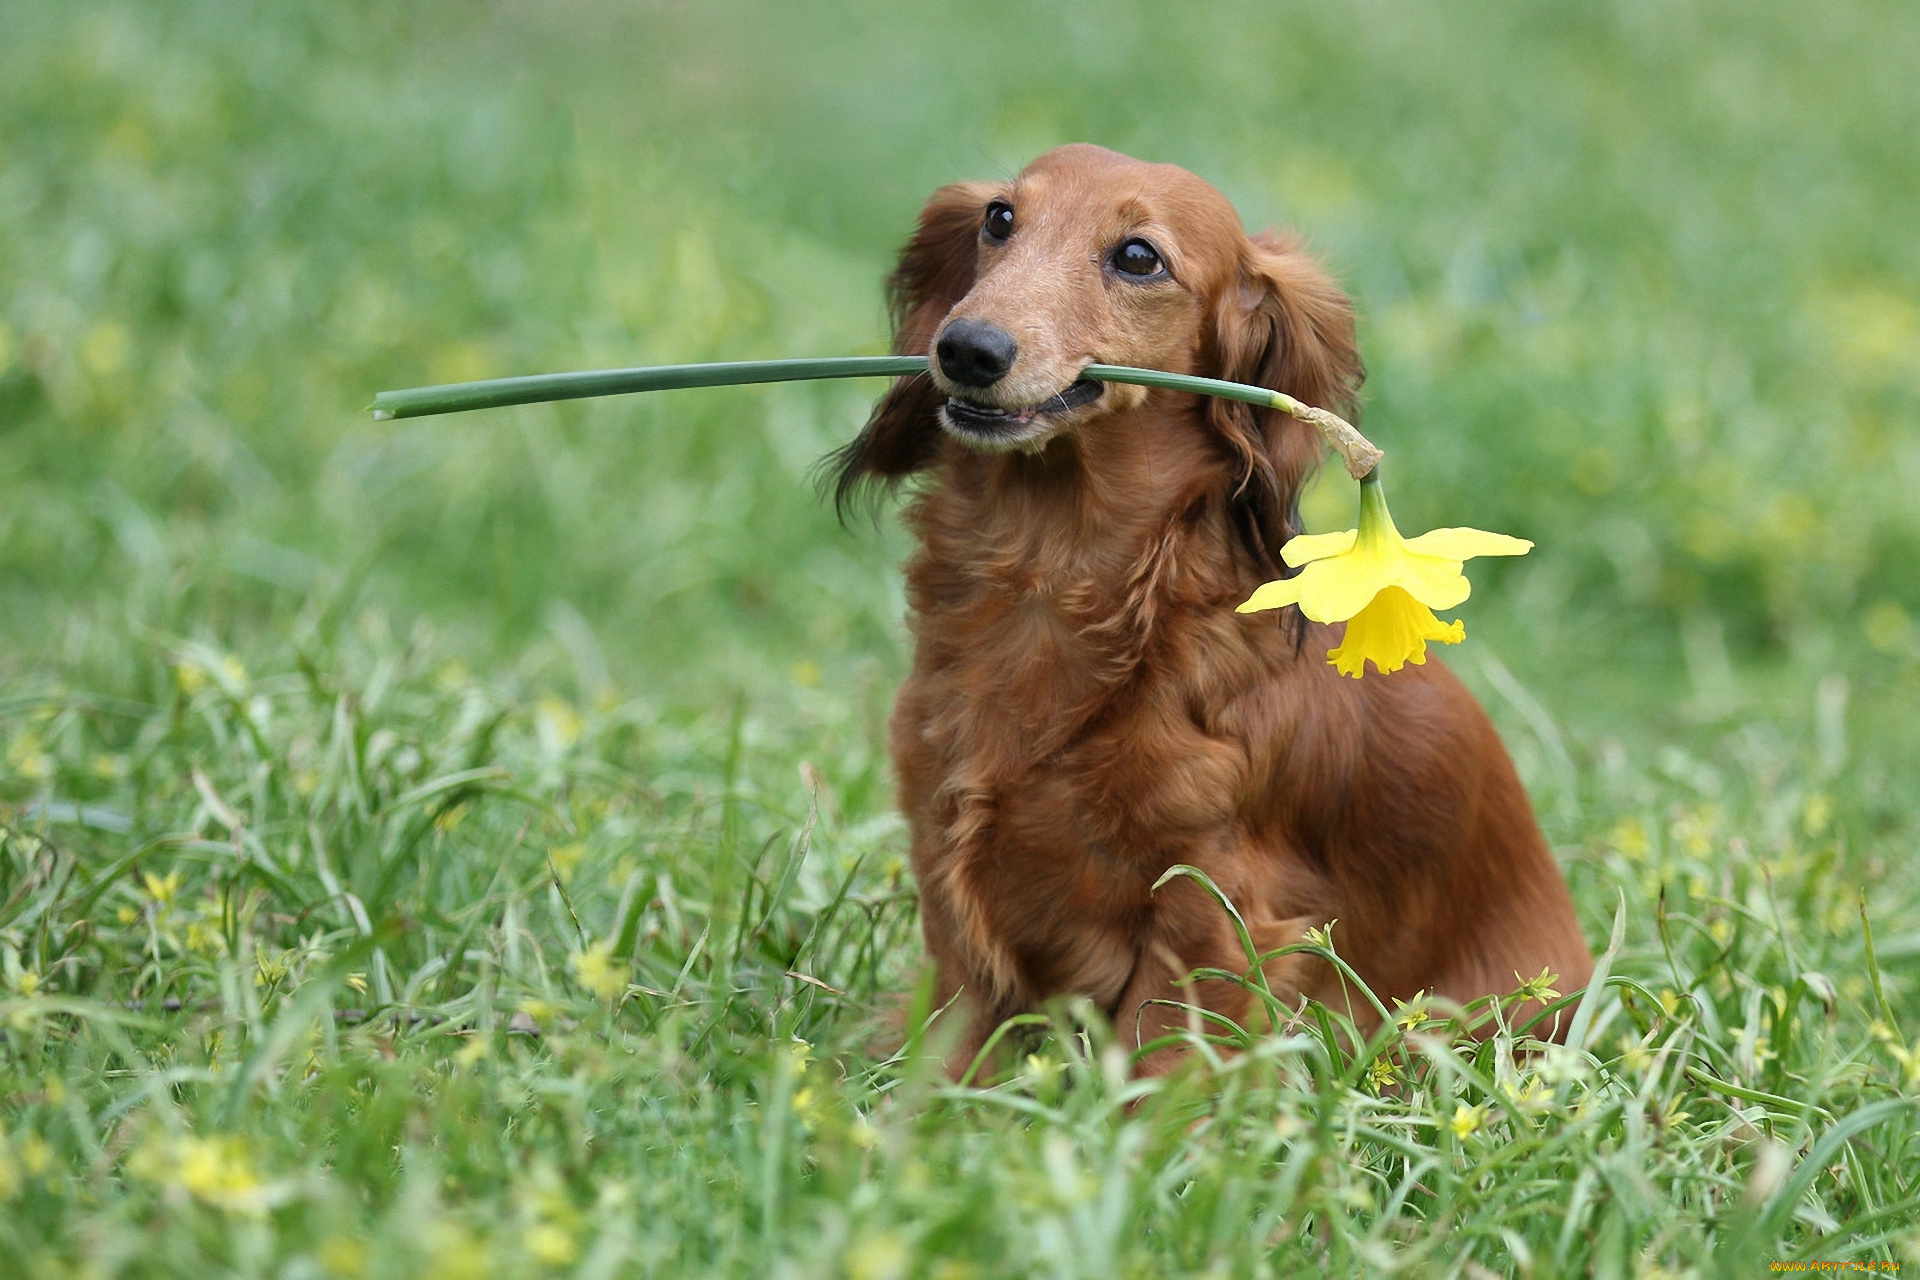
(1355, 450)
(1383, 586)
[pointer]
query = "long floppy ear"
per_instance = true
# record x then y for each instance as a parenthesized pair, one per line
(1287, 327)
(936, 270)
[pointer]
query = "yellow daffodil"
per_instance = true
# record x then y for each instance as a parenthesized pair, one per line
(1383, 586)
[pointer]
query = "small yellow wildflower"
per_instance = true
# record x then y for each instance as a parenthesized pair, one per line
(449, 819)
(1909, 1059)
(36, 1155)
(271, 969)
(597, 971)
(216, 1171)
(1668, 1114)
(162, 891)
(1466, 1119)
(1819, 812)
(1630, 838)
(106, 348)
(878, 1257)
(343, 1256)
(1381, 1073)
(1887, 627)
(204, 938)
(1531, 1095)
(558, 723)
(551, 1243)
(1539, 988)
(455, 1253)
(1383, 586)
(565, 858)
(1043, 1071)
(34, 766)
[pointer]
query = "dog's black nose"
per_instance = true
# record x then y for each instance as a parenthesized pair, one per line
(974, 353)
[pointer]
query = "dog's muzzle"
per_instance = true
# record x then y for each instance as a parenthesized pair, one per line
(986, 419)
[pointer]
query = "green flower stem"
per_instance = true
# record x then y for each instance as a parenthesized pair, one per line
(1358, 453)
(1375, 519)
(496, 392)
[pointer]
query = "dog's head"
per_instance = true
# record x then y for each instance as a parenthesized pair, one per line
(1090, 257)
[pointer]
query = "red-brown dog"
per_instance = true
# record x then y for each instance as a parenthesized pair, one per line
(1086, 709)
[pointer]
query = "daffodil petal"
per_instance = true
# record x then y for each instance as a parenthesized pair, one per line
(1272, 595)
(1465, 544)
(1334, 590)
(1435, 583)
(1309, 547)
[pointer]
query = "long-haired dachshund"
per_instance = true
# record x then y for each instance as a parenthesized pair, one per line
(1086, 709)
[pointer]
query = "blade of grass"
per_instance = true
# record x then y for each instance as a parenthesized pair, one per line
(1773, 1218)
(1589, 1003)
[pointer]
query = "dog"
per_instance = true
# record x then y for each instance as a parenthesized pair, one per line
(1085, 708)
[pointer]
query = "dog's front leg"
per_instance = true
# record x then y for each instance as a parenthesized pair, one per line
(964, 1022)
(1165, 999)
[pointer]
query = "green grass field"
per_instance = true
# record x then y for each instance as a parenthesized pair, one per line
(463, 847)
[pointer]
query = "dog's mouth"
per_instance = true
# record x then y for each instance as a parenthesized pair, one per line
(992, 424)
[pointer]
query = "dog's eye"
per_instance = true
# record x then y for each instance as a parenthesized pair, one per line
(1138, 258)
(999, 223)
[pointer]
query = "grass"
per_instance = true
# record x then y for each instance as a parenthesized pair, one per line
(464, 848)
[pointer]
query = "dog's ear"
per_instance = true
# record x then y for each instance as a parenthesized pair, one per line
(1285, 326)
(936, 270)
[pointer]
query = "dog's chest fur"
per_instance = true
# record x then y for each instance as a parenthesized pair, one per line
(1050, 762)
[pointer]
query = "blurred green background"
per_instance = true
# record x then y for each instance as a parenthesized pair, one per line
(1637, 281)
